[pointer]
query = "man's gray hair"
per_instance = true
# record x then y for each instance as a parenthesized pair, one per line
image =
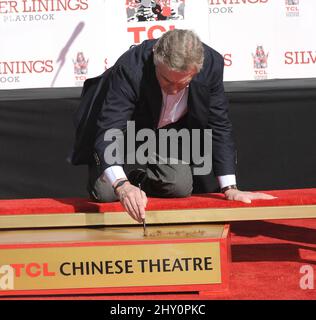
(179, 50)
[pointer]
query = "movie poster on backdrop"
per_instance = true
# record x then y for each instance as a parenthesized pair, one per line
(296, 50)
(244, 33)
(49, 42)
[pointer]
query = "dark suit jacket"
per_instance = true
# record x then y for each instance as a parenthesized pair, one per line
(130, 91)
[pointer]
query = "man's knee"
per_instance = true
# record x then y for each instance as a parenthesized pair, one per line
(183, 183)
(178, 183)
(101, 194)
(182, 190)
(99, 190)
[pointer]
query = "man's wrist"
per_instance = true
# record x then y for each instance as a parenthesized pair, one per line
(230, 187)
(226, 180)
(118, 184)
(113, 174)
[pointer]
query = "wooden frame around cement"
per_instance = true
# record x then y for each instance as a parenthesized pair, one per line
(157, 217)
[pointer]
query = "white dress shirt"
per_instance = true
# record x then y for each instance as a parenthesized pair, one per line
(173, 108)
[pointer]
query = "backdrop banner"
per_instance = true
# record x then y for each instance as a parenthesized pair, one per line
(61, 43)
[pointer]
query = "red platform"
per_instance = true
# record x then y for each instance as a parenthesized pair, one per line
(214, 200)
(304, 197)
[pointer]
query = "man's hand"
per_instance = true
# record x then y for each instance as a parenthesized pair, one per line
(245, 196)
(133, 199)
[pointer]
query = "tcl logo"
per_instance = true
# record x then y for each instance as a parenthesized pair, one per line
(150, 33)
(292, 9)
(32, 269)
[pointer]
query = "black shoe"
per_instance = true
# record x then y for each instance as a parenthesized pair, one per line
(136, 177)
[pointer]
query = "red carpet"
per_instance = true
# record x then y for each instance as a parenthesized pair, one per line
(266, 255)
(214, 200)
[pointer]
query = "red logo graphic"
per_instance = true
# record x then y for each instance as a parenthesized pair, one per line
(260, 58)
(292, 2)
(292, 9)
(32, 269)
(80, 64)
(151, 32)
(154, 10)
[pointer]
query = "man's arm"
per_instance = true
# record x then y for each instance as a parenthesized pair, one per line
(117, 108)
(223, 147)
(224, 153)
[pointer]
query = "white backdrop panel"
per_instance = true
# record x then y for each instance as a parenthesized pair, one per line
(60, 43)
